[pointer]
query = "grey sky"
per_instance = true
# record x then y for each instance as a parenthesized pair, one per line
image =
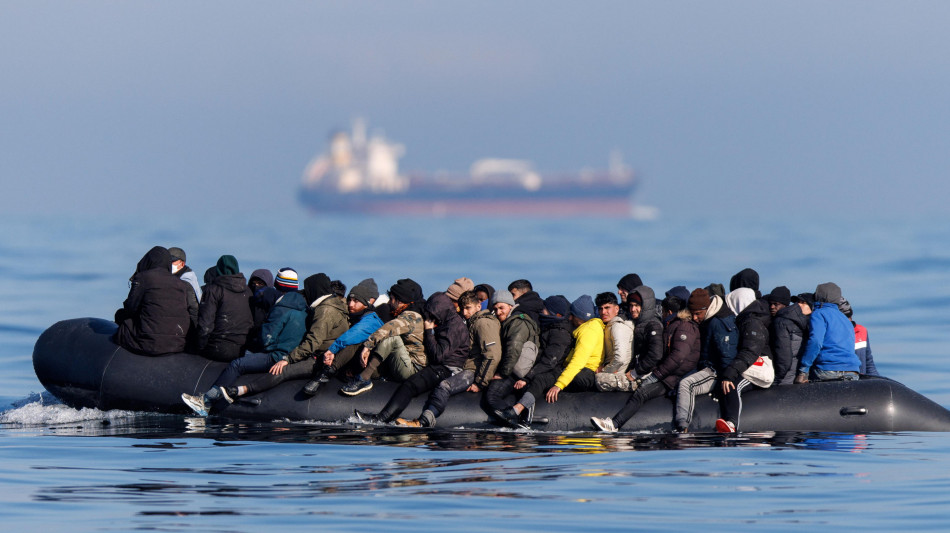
(720, 106)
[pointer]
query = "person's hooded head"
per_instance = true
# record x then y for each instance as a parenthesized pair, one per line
(315, 287)
(157, 257)
(644, 296)
(739, 299)
(259, 277)
(440, 308)
(745, 278)
(828, 293)
(227, 265)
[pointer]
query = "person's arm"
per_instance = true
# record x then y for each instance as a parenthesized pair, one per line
(816, 337)
(869, 367)
(487, 335)
(653, 349)
(357, 334)
(590, 343)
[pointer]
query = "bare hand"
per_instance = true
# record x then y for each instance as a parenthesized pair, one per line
(278, 367)
(727, 386)
(429, 324)
(520, 384)
(551, 396)
(496, 376)
(364, 357)
(631, 376)
(473, 388)
(328, 357)
(801, 378)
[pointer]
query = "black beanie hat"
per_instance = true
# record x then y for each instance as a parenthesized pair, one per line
(406, 291)
(781, 295)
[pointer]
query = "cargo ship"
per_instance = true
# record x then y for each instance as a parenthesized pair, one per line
(360, 174)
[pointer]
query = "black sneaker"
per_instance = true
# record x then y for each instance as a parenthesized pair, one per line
(508, 417)
(366, 418)
(312, 386)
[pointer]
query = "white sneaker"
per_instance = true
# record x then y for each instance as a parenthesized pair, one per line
(603, 424)
(196, 403)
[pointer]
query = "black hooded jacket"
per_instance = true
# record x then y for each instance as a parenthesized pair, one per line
(753, 324)
(224, 315)
(448, 343)
(556, 341)
(531, 304)
(154, 319)
(647, 334)
(789, 338)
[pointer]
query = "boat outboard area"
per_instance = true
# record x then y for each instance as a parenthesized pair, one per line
(77, 361)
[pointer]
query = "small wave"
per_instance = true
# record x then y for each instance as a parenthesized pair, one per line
(45, 410)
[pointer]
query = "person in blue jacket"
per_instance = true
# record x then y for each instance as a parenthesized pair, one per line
(829, 353)
(282, 331)
(363, 322)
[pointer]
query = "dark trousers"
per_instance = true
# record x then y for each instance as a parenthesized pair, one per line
(497, 390)
(299, 370)
(730, 407)
(448, 387)
(422, 381)
(251, 363)
(640, 396)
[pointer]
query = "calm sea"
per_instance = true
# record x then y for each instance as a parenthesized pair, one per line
(63, 469)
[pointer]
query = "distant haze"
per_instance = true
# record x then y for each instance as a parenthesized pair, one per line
(735, 108)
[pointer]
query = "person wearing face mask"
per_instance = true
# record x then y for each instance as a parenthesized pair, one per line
(183, 271)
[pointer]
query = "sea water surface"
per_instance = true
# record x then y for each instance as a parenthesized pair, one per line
(86, 470)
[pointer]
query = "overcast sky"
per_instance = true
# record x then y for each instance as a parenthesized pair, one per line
(730, 107)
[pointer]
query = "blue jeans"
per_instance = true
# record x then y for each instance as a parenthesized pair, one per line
(832, 375)
(251, 363)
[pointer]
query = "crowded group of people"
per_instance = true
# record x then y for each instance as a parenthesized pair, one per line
(510, 344)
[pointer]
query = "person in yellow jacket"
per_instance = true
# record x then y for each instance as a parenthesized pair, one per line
(586, 356)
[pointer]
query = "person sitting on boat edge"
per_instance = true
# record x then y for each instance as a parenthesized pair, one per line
(326, 320)
(788, 335)
(618, 343)
(582, 362)
(719, 340)
(484, 354)
(647, 341)
(263, 297)
(484, 330)
(281, 332)
(397, 346)
(183, 271)
(555, 343)
(154, 319)
(519, 349)
(364, 322)
(862, 344)
(753, 319)
(681, 354)
(224, 315)
(446, 344)
(528, 301)
(829, 352)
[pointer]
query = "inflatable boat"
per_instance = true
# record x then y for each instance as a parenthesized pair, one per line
(77, 361)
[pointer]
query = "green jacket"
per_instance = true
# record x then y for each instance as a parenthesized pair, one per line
(484, 330)
(328, 320)
(516, 330)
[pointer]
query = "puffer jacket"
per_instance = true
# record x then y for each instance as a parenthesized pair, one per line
(788, 335)
(154, 318)
(647, 334)
(682, 350)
